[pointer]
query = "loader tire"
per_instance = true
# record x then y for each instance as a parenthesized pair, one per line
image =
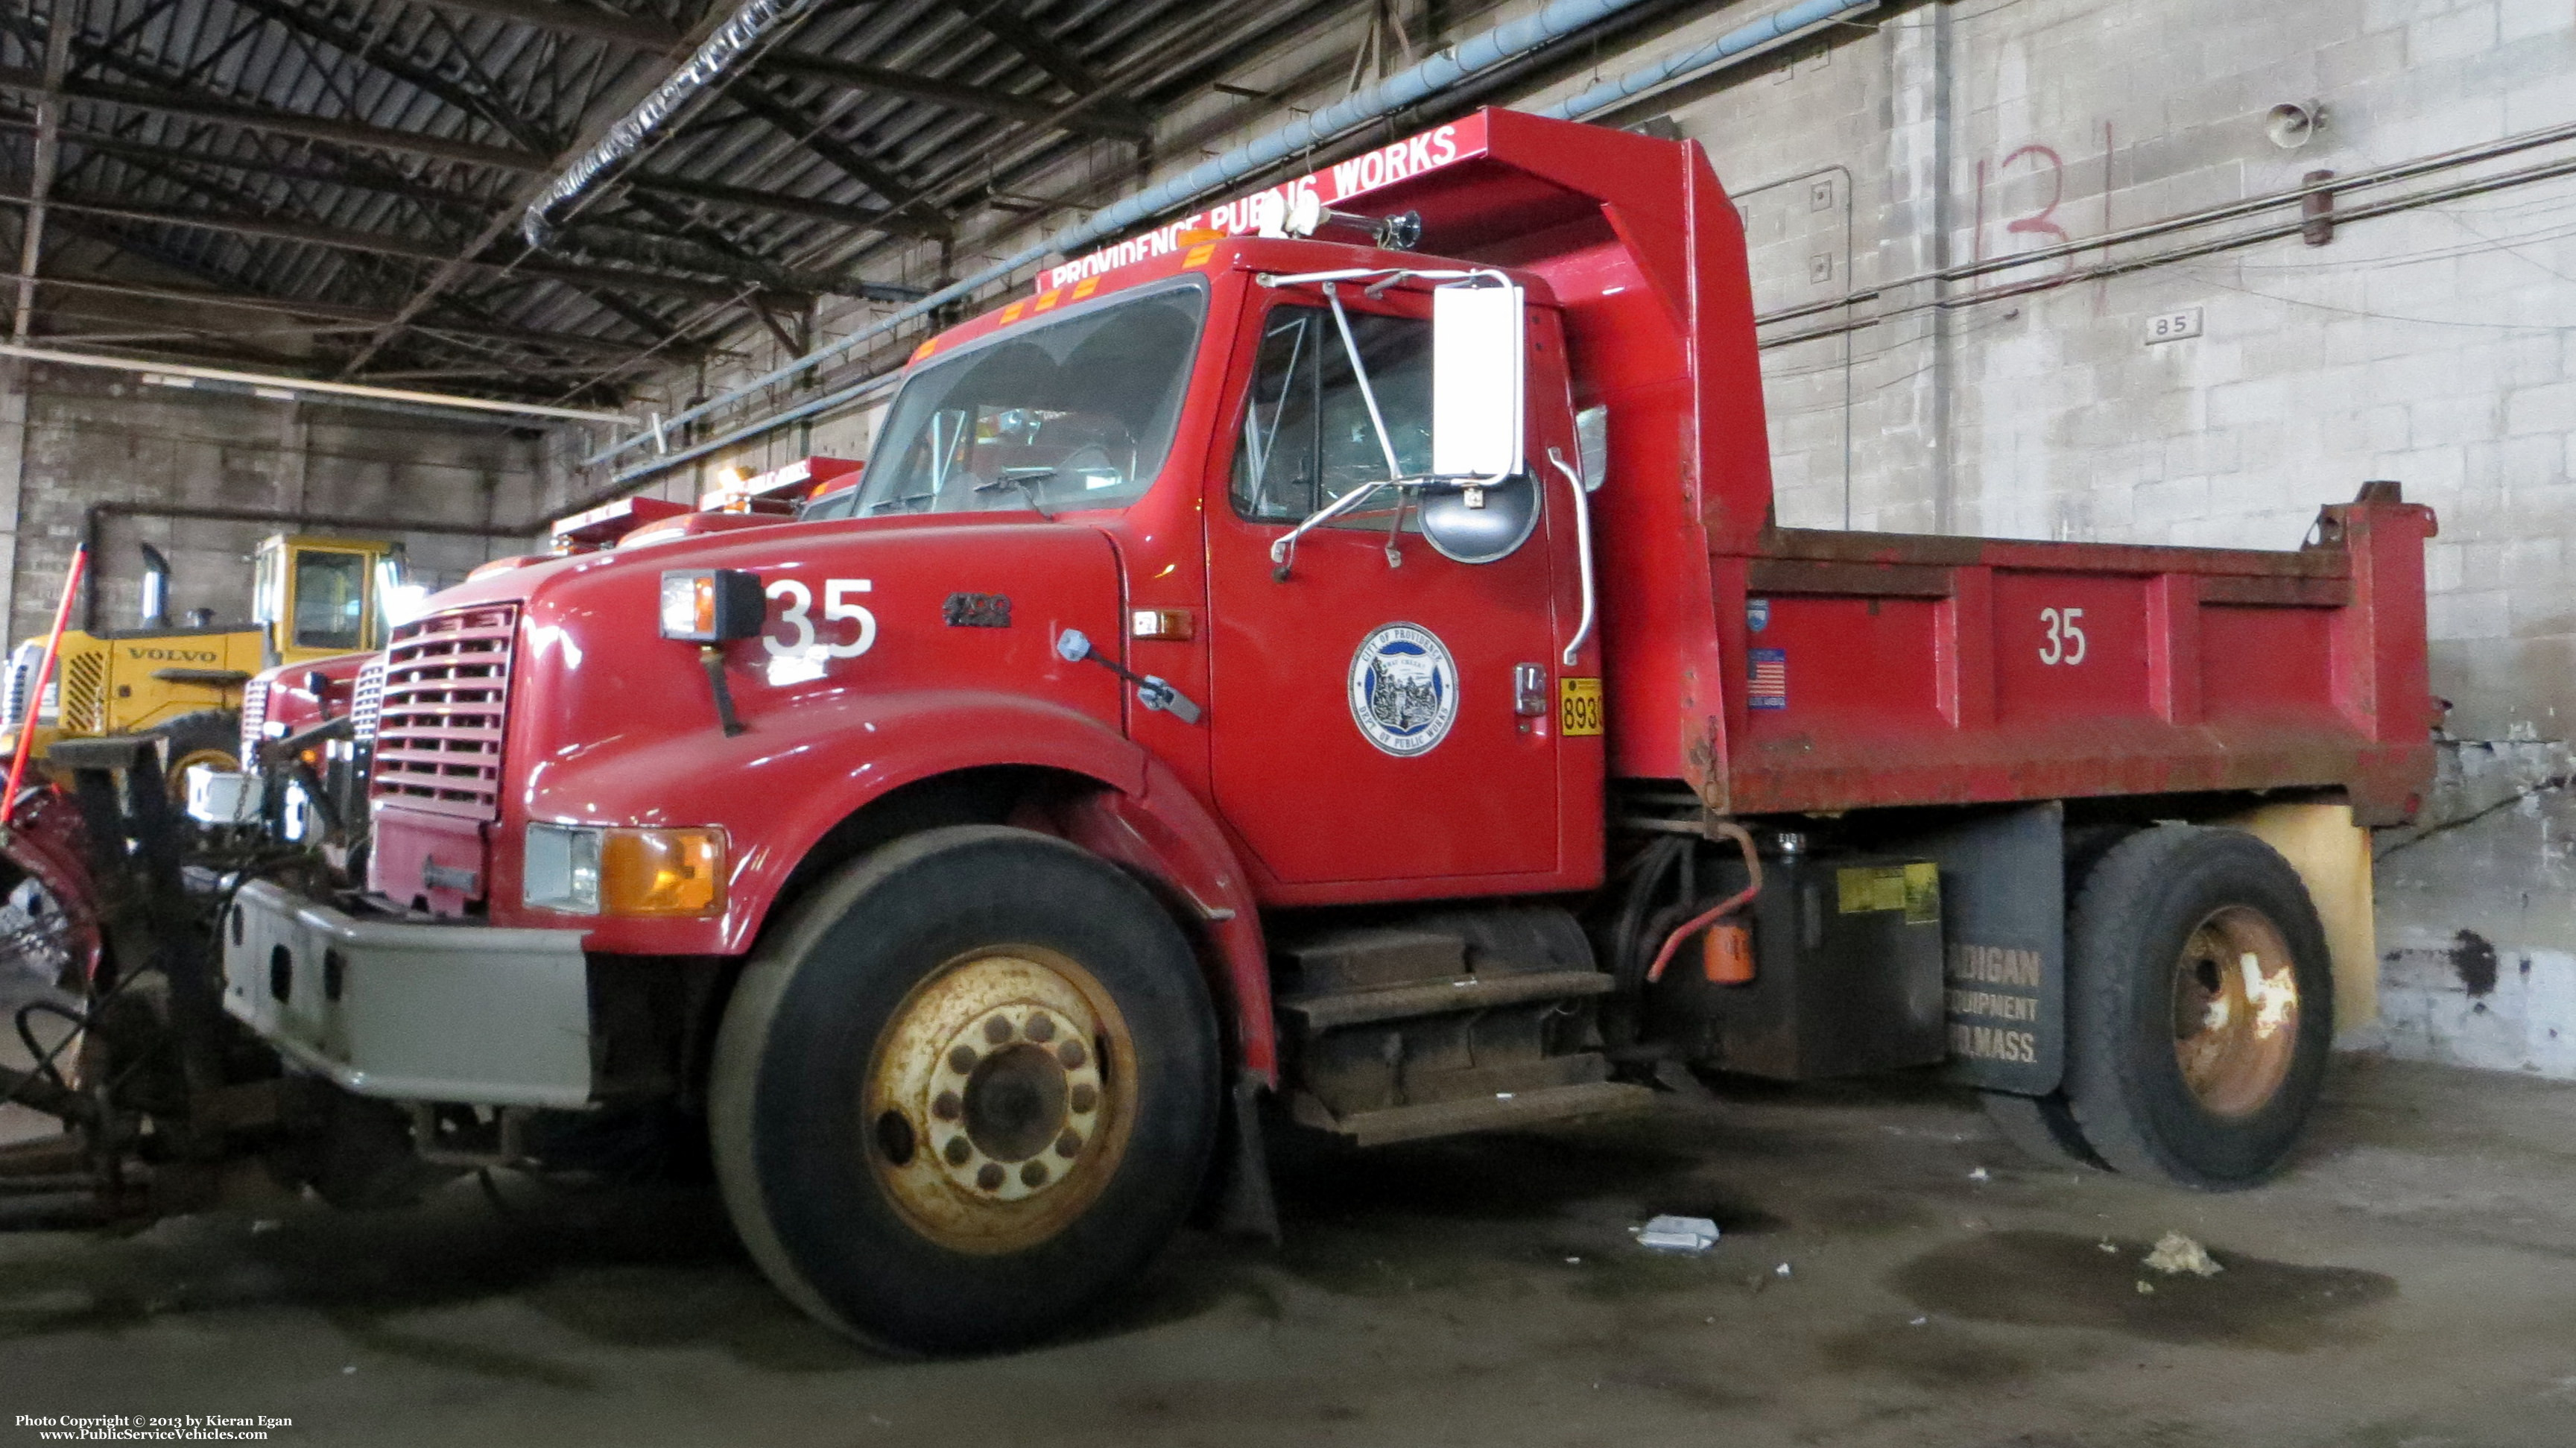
(2200, 1007)
(200, 739)
(964, 1091)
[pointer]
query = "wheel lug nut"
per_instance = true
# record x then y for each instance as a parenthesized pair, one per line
(962, 1060)
(958, 1149)
(1071, 1054)
(1041, 1028)
(947, 1107)
(990, 1178)
(1068, 1145)
(1083, 1097)
(997, 1030)
(1034, 1174)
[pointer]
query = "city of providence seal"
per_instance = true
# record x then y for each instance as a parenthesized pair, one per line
(1404, 689)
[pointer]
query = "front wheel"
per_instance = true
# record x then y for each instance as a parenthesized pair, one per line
(967, 1089)
(2201, 1007)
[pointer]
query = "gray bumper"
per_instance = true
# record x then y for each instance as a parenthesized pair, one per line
(412, 1011)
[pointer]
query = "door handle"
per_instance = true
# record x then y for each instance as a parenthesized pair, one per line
(1529, 690)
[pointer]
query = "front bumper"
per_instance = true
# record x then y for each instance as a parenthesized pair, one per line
(411, 1010)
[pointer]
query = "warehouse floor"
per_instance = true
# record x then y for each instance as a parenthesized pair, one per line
(2411, 1285)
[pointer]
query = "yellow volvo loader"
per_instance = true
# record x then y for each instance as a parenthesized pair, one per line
(311, 598)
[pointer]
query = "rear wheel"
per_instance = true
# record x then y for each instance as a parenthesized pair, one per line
(204, 739)
(2200, 1007)
(965, 1091)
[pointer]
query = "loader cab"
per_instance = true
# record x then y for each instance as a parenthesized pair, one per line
(319, 597)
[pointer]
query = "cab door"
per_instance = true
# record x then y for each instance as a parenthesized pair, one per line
(1367, 724)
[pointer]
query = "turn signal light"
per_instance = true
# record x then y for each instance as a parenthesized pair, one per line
(630, 872)
(661, 872)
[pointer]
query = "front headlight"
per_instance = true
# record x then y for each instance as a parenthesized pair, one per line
(591, 870)
(562, 869)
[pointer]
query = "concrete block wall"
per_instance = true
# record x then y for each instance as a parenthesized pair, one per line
(71, 438)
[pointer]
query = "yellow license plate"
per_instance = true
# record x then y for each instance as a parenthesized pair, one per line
(1578, 706)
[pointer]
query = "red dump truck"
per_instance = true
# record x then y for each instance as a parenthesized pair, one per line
(1332, 666)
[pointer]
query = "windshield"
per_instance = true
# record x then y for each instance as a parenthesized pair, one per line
(330, 600)
(1076, 413)
(1307, 438)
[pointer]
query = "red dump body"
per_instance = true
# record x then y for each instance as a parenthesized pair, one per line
(1787, 669)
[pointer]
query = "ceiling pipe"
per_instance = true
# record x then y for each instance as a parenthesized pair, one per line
(1776, 29)
(742, 35)
(1441, 72)
(292, 389)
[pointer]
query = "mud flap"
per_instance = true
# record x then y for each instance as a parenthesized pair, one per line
(2003, 909)
(2332, 855)
(1241, 1204)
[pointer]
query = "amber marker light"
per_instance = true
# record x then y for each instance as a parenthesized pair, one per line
(626, 872)
(661, 872)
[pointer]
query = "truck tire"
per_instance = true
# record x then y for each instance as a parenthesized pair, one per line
(2200, 1007)
(965, 1090)
(202, 738)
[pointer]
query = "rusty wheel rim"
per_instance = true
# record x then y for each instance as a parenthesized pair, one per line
(1000, 1099)
(2235, 1011)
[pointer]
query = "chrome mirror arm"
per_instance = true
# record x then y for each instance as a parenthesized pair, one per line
(1284, 547)
(1359, 374)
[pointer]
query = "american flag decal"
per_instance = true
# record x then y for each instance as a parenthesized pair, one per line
(1768, 687)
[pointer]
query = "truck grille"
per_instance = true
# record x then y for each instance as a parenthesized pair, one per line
(440, 715)
(254, 717)
(83, 695)
(367, 700)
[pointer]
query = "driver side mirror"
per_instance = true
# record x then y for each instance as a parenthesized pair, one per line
(1479, 505)
(1478, 361)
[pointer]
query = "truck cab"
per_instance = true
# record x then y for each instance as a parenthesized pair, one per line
(1330, 665)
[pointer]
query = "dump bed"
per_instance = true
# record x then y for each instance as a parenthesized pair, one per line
(1791, 670)
(1887, 669)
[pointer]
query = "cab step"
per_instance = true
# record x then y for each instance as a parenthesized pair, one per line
(1497, 1112)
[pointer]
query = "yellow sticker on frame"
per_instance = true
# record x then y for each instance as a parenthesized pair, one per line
(1578, 707)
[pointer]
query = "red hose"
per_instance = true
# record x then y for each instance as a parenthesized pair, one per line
(1731, 904)
(44, 676)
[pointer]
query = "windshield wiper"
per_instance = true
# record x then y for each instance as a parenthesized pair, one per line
(881, 504)
(1019, 478)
